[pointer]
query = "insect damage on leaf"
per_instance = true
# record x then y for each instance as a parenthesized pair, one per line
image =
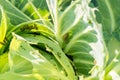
(4, 41)
(22, 47)
(59, 54)
(48, 48)
(67, 36)
(29, 27)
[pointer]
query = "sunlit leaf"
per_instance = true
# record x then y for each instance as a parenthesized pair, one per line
(3, 27)
(4, 66)
(37, 64)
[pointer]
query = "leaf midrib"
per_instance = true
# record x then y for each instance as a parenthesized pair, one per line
(111, 15)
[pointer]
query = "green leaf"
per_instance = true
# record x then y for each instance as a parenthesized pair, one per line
(14, 76)
(3, 27)
(4, 63)
(21, 53)
(33, 27)
(114, 56)
(64, 4)
(33, 8)
(74, 32)
(77, 32)
(15, 15)
(56, 51)
(109, 12)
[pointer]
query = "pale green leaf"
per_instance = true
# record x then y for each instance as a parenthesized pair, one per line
(56, 51)
(37, 64)
(4, 66)
(77, 32)
(15, 76)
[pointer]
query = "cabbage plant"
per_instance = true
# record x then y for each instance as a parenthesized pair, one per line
(59, 40)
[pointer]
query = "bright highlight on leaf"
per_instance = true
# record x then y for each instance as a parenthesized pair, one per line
(3, 27)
